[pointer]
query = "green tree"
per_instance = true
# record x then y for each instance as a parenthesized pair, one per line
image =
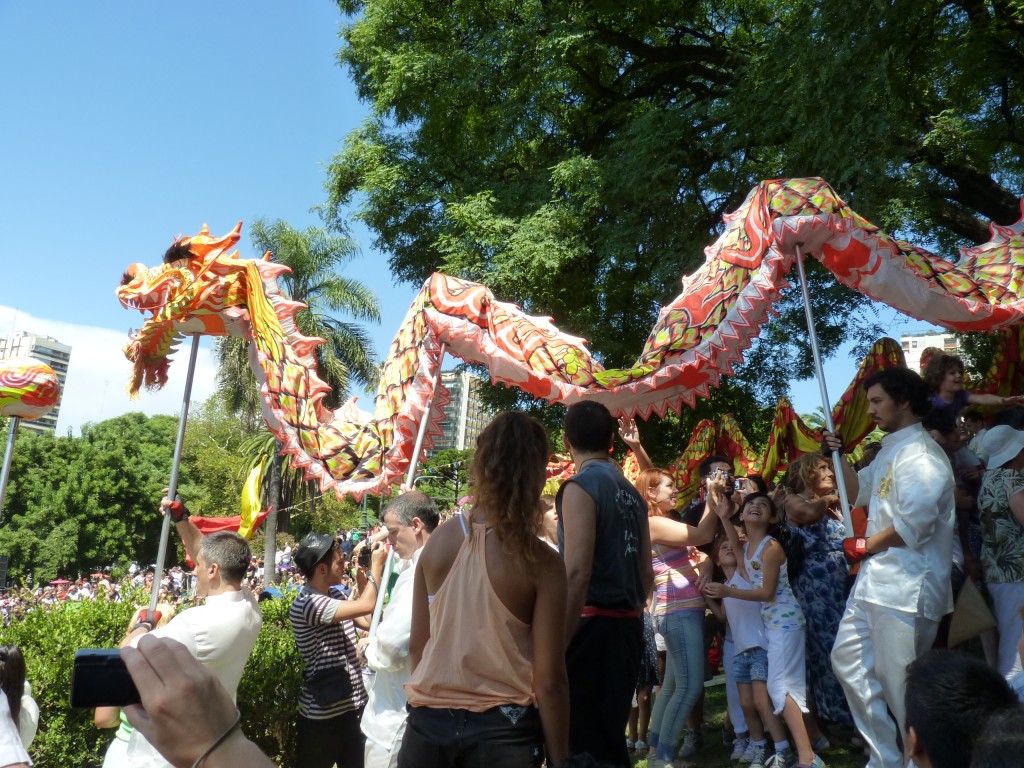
(78, 503)
(213, 466)
(527, 145)
(444, 476)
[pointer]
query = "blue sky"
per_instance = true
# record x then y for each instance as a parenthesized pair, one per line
(126, 124)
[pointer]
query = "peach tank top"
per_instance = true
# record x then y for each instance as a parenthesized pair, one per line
(479, 655)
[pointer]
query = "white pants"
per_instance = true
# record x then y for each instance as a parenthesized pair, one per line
(873, 647)
(376, 756)
(732, 694)
(1007, 600)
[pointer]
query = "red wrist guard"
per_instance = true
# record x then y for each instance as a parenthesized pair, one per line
(177, 511)
(855, 549)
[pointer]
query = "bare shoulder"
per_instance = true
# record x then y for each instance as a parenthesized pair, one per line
(550, 565)
(443, 544)
(774, 550)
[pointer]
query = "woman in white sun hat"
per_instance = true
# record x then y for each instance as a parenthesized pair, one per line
(1001, 510)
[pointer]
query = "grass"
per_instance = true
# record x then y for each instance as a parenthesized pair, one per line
(716, 754)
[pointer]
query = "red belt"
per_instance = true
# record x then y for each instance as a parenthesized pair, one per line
(614, 613)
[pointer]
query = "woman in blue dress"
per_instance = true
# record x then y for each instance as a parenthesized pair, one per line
(818, 578)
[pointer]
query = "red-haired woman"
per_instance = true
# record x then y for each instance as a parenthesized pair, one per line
(679, 607)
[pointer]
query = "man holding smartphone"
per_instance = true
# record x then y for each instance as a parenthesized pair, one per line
(221, 633)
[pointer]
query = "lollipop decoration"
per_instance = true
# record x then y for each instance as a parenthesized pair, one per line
(29, 390)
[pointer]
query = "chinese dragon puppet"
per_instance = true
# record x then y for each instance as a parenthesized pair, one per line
(698, 337)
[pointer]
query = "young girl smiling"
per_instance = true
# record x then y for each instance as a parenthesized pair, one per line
(763, 565)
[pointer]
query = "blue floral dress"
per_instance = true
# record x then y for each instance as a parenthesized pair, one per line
(820, 588)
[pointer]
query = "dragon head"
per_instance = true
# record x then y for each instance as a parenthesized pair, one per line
(195, 290)
(177, 288)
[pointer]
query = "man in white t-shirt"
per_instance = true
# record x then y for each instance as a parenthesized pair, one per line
(221, 633)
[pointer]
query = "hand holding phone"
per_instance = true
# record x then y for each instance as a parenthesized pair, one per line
(100, 679)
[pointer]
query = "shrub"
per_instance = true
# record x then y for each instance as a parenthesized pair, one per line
(267, 695)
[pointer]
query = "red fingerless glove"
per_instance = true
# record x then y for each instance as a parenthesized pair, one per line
(147, 620)
(177, 510)
(855, 549)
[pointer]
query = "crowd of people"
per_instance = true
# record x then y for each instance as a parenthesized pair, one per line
(576, 629)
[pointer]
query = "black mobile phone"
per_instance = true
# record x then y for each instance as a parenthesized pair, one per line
(363, 561)
(100, 679)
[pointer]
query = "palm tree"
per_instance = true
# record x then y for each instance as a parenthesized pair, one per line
(347, 357)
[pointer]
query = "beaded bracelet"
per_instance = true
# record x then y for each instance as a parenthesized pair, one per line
(220, 739)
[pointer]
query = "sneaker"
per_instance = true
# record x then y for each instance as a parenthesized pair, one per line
(817, 762)
(692, 744)
(757, 757)
(640, 746)
(748, 753)
(785, 758)
(739, 749)
(821, 744)
(629, 745)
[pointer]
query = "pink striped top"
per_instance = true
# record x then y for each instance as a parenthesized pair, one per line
(675, 579)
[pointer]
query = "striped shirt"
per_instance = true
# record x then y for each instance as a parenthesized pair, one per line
(324, 645)
(675, 579)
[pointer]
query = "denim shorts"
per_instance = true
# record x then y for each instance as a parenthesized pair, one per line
(750, 665)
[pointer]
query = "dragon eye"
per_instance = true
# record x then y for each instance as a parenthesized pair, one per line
(131, 273)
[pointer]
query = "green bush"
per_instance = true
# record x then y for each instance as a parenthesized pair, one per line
(49, 639)
(267, 696)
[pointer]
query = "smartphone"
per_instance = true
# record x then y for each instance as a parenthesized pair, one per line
(363, 561)
(738, 484)
(100, 679)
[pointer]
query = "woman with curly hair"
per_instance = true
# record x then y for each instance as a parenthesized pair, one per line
(679, 606)
(489, 685)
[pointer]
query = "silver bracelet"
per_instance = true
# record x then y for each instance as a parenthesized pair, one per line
(369, 578)
(220, 739)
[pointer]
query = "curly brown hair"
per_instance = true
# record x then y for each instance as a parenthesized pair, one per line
(938, 367)
(508, 474)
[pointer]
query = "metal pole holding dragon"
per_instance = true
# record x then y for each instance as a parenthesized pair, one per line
(5, 473)
(172, 486)
(837, 457)
(421, 435)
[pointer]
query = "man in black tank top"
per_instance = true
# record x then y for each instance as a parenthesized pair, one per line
(603, 536)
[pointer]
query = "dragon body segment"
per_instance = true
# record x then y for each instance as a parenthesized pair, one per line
(698, 337)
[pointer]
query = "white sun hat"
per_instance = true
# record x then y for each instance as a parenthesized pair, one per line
(1002, 443)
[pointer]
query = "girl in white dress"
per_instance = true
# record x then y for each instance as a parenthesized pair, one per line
(763, 565)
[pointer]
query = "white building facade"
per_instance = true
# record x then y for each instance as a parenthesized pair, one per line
(466, 415)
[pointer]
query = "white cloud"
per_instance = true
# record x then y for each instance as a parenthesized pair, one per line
(98, 372)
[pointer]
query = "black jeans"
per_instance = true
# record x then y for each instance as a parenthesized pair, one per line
(322, 743)
(502, 737)
(603, 662)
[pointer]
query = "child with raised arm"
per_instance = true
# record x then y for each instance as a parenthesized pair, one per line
(763, 565)
(749, 665)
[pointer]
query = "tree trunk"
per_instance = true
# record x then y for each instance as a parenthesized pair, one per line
(274, 491)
